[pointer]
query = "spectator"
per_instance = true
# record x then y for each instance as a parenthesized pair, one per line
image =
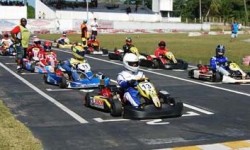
(94, 26)
(21, 36)
(128, 10)
(84, 30)
(234, 29)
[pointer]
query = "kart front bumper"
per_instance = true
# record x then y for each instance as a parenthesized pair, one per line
(151, 112)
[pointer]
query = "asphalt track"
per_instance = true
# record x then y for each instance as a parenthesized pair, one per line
(213, 112)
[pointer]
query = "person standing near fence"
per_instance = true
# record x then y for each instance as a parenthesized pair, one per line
(21, 37)
(84, 31)
(234, 29)
(94, 26)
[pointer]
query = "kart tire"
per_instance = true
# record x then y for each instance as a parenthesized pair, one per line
(87, 100)
(155, 64)
(45, 76)
(217, 77)
(63, 83)
(104, 51)
(116, 108)
(32, 67)
(191, 73)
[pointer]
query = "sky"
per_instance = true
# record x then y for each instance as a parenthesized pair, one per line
(31, 2)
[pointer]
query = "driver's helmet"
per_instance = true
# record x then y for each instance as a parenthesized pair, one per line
(84, 21)
(78, 52)
(47, 46)
(37, 41)
(64, 34)
(162, 44)
(220, 50)
(6, 35)
(131, 62)
(128, 41)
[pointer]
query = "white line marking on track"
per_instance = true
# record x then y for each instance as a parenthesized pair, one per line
(58, 104)
(57, 90)
(198, 109)
(190, 113)
(10, 63)
(109, 120)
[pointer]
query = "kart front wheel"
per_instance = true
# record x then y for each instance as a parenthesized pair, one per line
(63, 83)
(45, 76)
(155, 64)
(116, 108)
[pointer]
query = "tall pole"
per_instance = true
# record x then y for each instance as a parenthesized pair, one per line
(246, 19)
(200, 10)
(87, 1)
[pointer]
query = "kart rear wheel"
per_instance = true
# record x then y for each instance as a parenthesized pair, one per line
(87, 100)
(116, 108)
(63, 83)
(155, 64)
(191, 73)
(32, 67)
(217, 77)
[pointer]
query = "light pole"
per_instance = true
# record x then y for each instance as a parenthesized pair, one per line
(200, 10)
(87, 1)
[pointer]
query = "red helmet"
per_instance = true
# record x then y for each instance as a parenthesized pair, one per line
(47, 46)
(162, 44)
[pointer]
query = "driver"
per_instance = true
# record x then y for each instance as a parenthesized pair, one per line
(70, 65)
(163, 51)
(128, 45)
(35, 51)
(50, 57)
(6, 42)
(126, 79)
(219, 63)
(63, 39)
(93, 42)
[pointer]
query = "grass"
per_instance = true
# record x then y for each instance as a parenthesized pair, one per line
(195, 50)
(13, 134)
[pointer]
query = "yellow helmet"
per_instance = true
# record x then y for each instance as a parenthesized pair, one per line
(78, 52)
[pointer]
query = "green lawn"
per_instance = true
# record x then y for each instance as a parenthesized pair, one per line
(192, 49)
(13, 134)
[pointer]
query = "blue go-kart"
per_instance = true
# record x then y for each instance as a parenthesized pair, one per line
(88, 79)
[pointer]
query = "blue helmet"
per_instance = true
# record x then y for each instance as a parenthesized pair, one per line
(220, 50)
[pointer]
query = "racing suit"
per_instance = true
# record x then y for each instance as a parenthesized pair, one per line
(220, 64)
(159, 52)
(50, 58)
(63, 40)
(126, 48)
(35, 52)
(130, 93)
(70, 65)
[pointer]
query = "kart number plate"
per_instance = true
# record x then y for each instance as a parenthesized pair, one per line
(146, 86)
(84, 66)
(96, 102)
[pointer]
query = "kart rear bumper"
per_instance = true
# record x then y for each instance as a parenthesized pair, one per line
(151, 112)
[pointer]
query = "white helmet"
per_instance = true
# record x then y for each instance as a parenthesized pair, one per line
(131, 62)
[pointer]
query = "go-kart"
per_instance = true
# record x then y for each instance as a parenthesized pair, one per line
(65, 45)
(162, 62)
(7, 50)
(153, 104)
(204, 72)
(116, 55)
(94, 48)
(60, 77)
